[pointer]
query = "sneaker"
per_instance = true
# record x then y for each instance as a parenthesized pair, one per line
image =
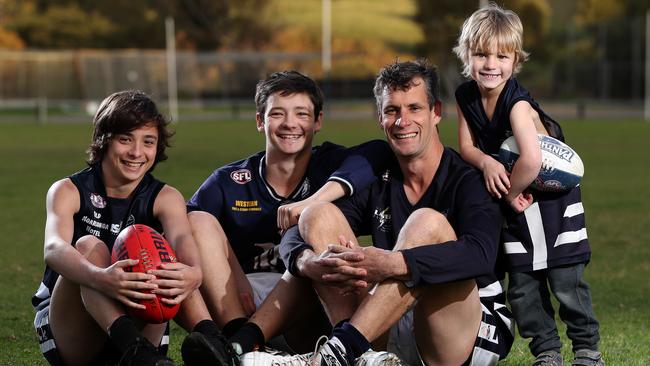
(330, 353)
(374, 358)
(143, 353)
(549, 358)
(587, 357)
(199, 349)
(258, 358)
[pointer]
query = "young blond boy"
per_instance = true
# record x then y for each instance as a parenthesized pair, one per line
(545, 239)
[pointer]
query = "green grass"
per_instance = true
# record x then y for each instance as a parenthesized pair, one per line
(615, 195)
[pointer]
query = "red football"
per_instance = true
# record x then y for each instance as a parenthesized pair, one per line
(146, 244)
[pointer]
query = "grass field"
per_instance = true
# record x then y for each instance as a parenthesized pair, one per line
(615, 194)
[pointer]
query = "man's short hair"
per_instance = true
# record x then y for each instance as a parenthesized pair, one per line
(123, 112)
(287, 83)
(400, 75)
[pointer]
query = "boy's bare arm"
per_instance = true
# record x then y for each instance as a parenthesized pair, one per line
(494, 173)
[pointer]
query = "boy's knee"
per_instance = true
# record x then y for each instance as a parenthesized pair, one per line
(321, 213)
(88, 244)
(199, 220)
(94, 250)
(207, 231)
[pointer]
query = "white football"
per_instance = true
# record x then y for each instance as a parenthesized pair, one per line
(561, 169)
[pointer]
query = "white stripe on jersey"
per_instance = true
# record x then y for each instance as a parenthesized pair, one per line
(569, 237)
(492, 289)
(483, 357)
(345, 182)
(536, 228)
(47, 345)
(514, 247)
(269, 189)
(506, 320)
(42, 293)
(574, 210)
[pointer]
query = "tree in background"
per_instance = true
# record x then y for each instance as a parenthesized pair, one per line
(200, 24)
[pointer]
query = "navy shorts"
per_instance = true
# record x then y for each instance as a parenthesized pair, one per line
(493, 341)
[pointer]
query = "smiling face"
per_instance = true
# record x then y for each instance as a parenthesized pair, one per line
(491, 68)
(130, 155)
(288, 123)
(407, 121)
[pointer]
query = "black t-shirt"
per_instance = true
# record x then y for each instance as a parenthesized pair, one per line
(457, 191)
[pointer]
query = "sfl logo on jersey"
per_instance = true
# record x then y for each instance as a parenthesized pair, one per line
(241, 176)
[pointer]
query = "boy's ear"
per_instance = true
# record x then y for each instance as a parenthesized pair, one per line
(318, 122)
(259, 121)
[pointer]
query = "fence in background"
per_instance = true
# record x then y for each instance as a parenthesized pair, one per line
(62, 86)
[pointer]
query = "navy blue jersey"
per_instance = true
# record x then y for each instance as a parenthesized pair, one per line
(457, 191)
(103, 216)
(239, 196)
(551, 232)
(489, 135)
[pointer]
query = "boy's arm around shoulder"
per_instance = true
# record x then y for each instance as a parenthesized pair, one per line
(363, 164)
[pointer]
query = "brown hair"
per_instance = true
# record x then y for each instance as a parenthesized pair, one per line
(123, 112)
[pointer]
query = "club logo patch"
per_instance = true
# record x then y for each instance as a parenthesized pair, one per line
(382, 219)
(304, 190)
(97, 200)
(241, 176)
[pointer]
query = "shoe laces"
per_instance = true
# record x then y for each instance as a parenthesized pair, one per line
(330, 354)
(303, 359)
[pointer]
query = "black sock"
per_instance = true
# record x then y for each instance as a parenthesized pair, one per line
(233, 326)
(123, 333)
(354, 342)
(249, 337)
(207, 327)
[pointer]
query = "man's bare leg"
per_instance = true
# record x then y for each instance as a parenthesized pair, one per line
(446, 317)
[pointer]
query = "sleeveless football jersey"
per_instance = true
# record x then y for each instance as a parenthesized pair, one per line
(103, 216)
(551, 232)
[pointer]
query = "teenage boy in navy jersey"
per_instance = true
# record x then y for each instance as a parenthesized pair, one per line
(435, 232)
(238, 213)
(81, 302)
